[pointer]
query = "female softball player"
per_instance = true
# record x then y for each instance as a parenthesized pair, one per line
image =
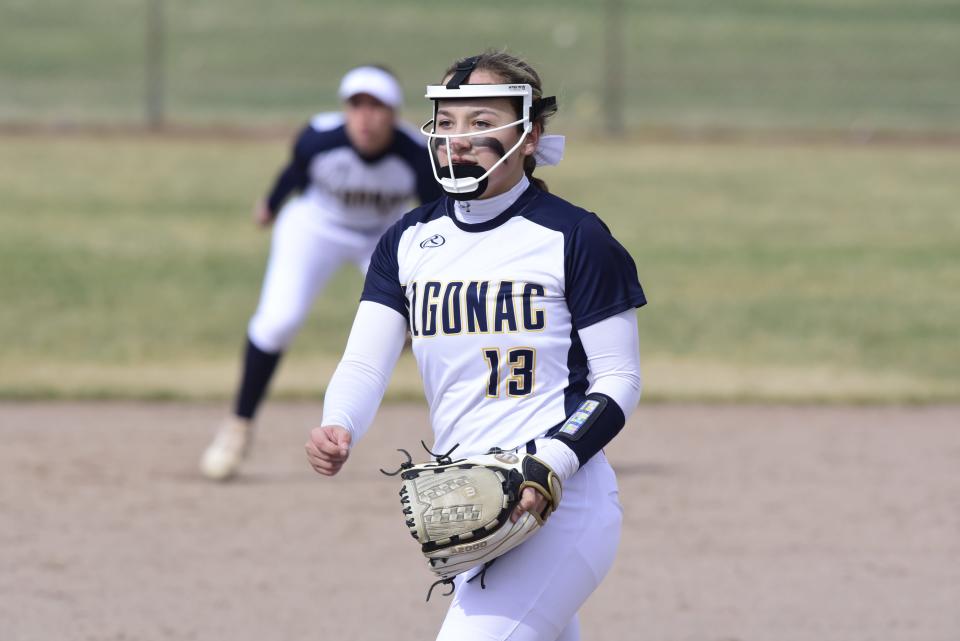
(521, 310)
(354, 173)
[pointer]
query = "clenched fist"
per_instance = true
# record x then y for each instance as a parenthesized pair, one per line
(328, 449)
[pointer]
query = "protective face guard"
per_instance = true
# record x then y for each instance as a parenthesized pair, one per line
(470, 186)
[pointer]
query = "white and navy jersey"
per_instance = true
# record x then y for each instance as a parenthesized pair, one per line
(494, 311)
(358, 192)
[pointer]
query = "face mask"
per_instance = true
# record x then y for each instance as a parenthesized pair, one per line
(465, 181)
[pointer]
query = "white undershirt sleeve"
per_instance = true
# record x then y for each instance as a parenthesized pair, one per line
(612, 347)
(360, 380)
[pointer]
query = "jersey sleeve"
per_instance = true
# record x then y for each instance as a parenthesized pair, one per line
(382, 283)
(428, 189)
(411, 146)
(294, 176)
(601, 277)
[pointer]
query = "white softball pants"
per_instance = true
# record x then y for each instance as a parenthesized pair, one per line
(534, 591)
(305, 251)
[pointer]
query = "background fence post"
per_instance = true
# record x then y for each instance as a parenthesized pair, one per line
(613, 67)
(154, 65)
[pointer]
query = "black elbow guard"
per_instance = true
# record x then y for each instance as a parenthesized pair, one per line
(591, 426)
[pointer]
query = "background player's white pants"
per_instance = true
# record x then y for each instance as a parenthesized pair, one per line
(534, 591)
(305, 251)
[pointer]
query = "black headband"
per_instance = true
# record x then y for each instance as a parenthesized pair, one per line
(462, 72)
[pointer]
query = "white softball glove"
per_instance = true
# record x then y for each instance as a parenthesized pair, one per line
(460, 510)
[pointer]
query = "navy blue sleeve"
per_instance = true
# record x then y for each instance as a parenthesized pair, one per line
(428, 189)
(291, 179)
(601, 277)
(382, 284)
(294, 176)
(415, 155)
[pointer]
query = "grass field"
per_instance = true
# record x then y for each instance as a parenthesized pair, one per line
(857, 65)
(805, 272)
(812, 272)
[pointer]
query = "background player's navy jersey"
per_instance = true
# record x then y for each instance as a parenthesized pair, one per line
(494, 309)
(351, 190)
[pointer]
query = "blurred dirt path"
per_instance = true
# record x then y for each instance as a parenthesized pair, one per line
(742, 523)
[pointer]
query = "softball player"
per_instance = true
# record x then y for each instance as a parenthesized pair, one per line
(521, 310)
(354, 173)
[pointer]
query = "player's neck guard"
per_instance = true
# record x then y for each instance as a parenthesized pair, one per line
(464, 181)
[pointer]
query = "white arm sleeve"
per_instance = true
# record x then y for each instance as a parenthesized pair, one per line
(612, 347)
(361, 378)
(613, 354)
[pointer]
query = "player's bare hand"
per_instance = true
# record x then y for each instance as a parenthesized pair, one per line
(328, 449)
(262, 214)
(530, 501)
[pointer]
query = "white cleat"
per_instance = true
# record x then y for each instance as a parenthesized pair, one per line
(221, 460)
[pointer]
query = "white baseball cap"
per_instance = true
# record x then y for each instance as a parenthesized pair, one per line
(373, 81)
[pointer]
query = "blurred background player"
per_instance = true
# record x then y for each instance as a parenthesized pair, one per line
(352, 174)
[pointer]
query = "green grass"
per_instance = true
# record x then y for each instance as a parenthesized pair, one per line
(807, 273)
(797, 256)
(756, 64)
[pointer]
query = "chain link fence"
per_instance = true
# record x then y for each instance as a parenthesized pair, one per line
(688, 65)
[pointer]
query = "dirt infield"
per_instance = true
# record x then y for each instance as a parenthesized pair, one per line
(742, 523)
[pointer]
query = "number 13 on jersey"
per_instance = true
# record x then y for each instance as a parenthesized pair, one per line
(519, 364)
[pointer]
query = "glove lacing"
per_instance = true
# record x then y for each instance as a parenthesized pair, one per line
(442, 459)
(481, 574)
